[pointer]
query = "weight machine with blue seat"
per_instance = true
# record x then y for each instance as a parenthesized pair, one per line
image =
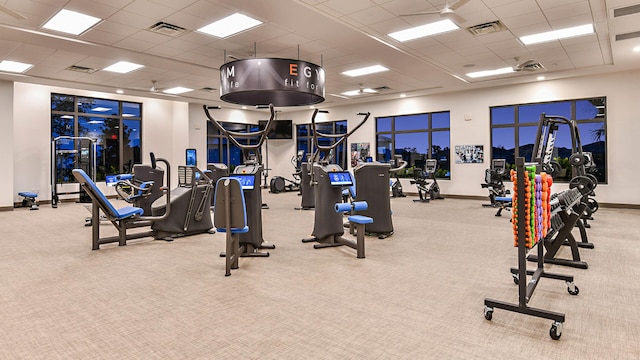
(230, 218)
(29, 200)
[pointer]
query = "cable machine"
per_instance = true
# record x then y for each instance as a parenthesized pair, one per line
(82, 155)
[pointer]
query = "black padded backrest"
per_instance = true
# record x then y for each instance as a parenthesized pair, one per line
(229, 190)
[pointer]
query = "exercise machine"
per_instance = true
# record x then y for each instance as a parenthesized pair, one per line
(216, 171)
(372, 182)
(251, 175)
(230, 218)
(427, 190)
(68, 153)
(140, 188)
(543, 151)
(493, 182)
(397, 164)
(280, 184)
(327, 181)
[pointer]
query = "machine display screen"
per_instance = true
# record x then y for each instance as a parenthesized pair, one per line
(340, 178)
(247, 181)
(112, 180)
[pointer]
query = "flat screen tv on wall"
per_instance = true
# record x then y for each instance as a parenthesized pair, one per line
(280, 129)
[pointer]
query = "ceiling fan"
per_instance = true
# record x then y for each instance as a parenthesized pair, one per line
(448, 12)
(13, 14)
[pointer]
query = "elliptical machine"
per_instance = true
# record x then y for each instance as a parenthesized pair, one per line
(427, 190)
(493, 181)
(251, 241)
(280, 184)
(396, 186)
(327, 181)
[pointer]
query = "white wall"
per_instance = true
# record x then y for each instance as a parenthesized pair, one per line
(6, 144)
(621, 89)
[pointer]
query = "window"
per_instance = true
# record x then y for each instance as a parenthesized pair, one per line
(304, 139)
(219, 149)
(514, 129)
(416, 137)
(116, 126)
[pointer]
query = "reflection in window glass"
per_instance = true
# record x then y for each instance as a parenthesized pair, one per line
(61, 102)
(98, 106)
(131, 109)
(131, 148)
(412, 146)
(590, 109)
(384, 148)
(304, 140)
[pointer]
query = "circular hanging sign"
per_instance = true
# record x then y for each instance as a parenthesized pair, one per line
(281, 82)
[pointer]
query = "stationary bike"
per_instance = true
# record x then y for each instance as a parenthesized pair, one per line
(396, 186)
(281, 184)
(427, 190)
(493, 181)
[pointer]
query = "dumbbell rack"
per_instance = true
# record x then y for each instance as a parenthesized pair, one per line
(526, 288)
(568, 209)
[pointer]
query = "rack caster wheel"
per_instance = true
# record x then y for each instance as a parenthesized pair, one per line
(516, 278)
(556, 330)
(488, 313)
(572, 289)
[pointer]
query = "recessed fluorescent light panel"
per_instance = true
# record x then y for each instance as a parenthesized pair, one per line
(557, 34)
(437, 27)
(636, 49)
(359, 92)
(14, 66)
(71, 22)
(177, 90)
(484, 73)
(100, 109)
(365, 70)
(230, 25)
(123, 67)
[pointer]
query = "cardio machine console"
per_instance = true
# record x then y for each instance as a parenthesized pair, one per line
(340, 178)
(247, 181)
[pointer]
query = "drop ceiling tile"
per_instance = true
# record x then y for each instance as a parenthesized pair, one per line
(348, 7)
(371, 15)
(128, 18)
(149, 9)
(516, 8)
(548, 4)
(164, 51)
(571, 21)
(99, 10)
(115, 28)
(207, 10)
(174, 4)
(101, 37)
(523, 20)
(133, 44)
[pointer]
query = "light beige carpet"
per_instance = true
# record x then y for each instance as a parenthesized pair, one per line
(417, 295)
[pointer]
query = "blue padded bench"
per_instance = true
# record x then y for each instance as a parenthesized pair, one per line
(504, 203)
(29, 200)
(123, 218)
(358, 220)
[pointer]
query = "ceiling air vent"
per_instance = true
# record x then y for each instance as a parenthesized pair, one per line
(81, 69)
(629, 10)
(382, 88)
(626, 36)
(166, 29)
(487, 28)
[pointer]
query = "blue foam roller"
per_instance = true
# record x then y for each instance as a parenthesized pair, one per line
(360, 205)
(342, 207)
